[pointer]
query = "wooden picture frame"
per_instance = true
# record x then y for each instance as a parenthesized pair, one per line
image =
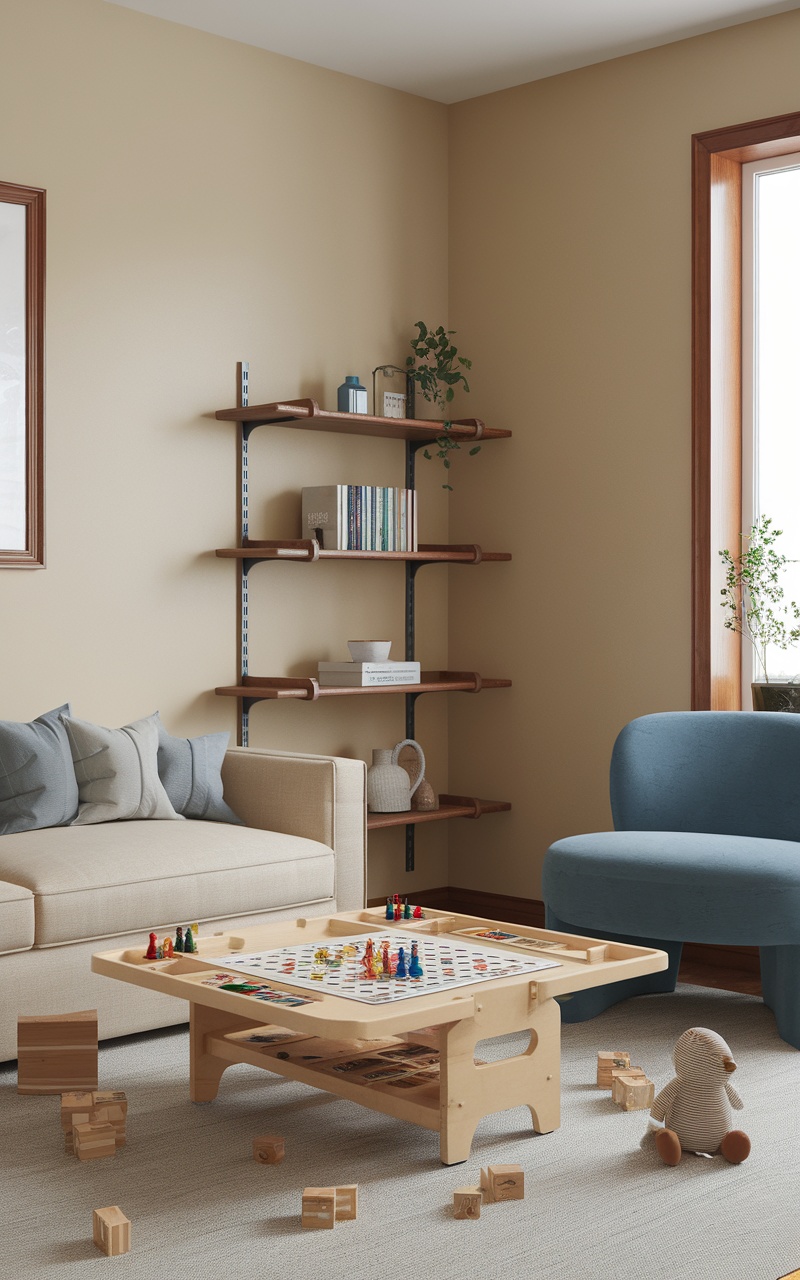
(22, 303)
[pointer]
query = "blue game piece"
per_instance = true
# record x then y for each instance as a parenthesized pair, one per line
(414, 968)
(389, 909)
(401, 971)
(406, 910)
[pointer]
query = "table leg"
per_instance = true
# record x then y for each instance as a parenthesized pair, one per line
(205, 1070)
(469, 1092)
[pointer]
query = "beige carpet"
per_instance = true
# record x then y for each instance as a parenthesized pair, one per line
(598, 1206)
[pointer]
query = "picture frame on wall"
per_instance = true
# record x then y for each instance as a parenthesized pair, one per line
(22, 304)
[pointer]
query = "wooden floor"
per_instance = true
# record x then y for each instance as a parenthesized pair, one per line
(708, 975)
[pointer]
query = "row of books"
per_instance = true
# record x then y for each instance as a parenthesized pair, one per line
(360, 517)
(334, 674)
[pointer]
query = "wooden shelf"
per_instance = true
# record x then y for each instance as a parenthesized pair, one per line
(307, 414)
(309, 689)
(306, 550)
(449, 807)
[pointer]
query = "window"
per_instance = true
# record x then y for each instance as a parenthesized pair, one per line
(770, 364)
(718, 158)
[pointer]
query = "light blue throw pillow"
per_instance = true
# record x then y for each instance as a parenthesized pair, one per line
(37, 781)
(189, 769)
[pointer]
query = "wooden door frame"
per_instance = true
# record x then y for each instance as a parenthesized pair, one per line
(717, 159)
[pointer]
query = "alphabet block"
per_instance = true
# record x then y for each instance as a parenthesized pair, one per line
(94, 1140)
(57, 1053)
(467, 1202)
(319, 1208)
(632, 1092)
(111, 1231)
(269, 1149)
(607, 1060)
(502, 1182)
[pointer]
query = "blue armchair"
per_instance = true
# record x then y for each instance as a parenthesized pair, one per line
(706, 848)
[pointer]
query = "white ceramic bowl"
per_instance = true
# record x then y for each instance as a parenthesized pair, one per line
(369, 650)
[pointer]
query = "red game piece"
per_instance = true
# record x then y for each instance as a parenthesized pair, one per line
(151, 952)
(417, 913)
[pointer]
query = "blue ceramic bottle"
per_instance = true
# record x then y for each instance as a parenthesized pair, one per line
(352, 397)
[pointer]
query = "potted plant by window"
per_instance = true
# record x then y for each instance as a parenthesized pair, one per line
(437, 369)
(756, 609)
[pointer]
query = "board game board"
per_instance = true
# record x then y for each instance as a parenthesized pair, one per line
(337, 968)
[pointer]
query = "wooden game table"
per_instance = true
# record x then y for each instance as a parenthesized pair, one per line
(449, 1090)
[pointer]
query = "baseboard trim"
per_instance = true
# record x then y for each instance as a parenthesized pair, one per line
(530, 911)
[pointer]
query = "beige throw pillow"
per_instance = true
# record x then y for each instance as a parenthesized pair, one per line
(117, 771)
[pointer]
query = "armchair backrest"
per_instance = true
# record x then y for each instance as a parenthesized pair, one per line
(721, 772)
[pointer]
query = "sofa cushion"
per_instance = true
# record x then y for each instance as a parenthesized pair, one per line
(37, 780)
(117, 877)
(16, 918)
(117, 771)
(190, 768)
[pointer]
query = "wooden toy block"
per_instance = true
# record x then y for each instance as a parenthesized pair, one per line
(111, 1231)
(57, 1053)
(633, 1092)
(109, 1106)
(94, 1140)
(346, 1202)
(467, 1202)
(269, 1149)
(502, 1182)
(319, 1208)
(607, 1060)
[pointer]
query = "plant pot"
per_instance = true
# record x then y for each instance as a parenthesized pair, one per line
(775, 696)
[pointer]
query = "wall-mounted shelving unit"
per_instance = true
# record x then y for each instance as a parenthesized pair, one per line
(306, 414)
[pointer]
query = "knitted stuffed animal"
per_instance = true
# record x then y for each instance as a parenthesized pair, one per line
(695, 1104)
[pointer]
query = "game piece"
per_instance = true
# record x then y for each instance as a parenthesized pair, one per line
(401, 969)
(387, 963)
(321, 955)
(167, 948)
(111, 1231)
(188, 941)
(467, 1202)
(367, 960)
(406, 910)
(415, 968)
(179, 938)
(269, 1149)
(632, 1092)
(417, 914)
(57, 1052)
(607, 1059)
(346, 1202)
(94, 1140)
(195, 933)
(152, 951)
(397, 910)
(319, 1208)
(502, 1182)
(389, 909)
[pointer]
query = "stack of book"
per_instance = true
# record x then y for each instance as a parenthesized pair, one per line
(333, 674)
(360, 517)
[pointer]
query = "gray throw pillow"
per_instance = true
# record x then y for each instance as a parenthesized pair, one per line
(190, 771)
(117, 771)
(37, 780)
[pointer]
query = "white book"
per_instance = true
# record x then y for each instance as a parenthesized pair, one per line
(360, 679)
(371, 668)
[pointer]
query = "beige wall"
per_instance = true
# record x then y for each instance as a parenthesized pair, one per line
(210, 202)
(570, 289)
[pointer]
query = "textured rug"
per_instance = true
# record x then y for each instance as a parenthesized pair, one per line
(598, 1205)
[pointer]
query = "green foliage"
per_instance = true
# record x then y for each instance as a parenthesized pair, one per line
(438, 369)
(753, 595)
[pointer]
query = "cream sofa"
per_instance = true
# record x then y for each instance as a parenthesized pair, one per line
(66, 892)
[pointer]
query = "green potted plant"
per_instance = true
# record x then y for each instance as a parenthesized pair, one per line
(754, 600)
(437, 369)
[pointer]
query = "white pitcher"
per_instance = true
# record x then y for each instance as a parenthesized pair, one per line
(389, 788)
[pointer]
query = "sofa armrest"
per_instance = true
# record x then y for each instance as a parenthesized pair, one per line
(320, 797)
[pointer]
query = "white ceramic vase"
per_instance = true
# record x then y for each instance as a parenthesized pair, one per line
(389, 788)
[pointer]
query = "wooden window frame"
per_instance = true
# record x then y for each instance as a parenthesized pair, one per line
(717, 159)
